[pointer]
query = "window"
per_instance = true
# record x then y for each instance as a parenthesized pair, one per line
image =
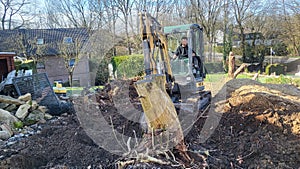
(40, 41)
(72, 62)
(68, 40)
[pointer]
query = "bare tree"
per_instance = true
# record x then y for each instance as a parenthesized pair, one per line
(243, 10)
(11, 8)
(156, 8)
(227, 36)
(71, 53)
(207, 13)
(291, 23)
(125, 7)
(74, 13)
(111, 15)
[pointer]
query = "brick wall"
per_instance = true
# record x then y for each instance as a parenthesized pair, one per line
(55, 68)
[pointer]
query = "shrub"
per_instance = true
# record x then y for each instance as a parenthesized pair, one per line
(117, 60)
(128, 66)
(277, 68)
(102, 73)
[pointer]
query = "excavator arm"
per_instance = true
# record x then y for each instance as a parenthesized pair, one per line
(158, 107)
(156, 58)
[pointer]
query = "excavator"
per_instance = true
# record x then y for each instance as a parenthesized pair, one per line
(171, 87)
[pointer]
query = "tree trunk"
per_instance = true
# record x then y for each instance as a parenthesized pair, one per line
(243, 44)
(71, 78)
(231, 65)
(210, 51)
(127, 35)
(3, 20)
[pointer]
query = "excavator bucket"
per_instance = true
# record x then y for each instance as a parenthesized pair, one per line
(159, 109)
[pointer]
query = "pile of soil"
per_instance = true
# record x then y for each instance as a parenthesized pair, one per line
(259, 128)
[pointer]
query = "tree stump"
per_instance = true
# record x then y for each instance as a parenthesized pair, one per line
(231, 65)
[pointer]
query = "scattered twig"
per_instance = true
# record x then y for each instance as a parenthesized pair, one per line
(136, 140)
(128, 144)
(114, 132)
(241, 159)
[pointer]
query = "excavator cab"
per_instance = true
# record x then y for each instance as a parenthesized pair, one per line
(188, 72)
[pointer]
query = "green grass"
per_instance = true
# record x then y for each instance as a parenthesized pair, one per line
(78, 90)
(217, 76)
(282, 79)
(214, 77)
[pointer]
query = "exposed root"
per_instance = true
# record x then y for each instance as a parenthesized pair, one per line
(141, 158)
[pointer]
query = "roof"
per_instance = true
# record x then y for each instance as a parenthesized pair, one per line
(24, 41)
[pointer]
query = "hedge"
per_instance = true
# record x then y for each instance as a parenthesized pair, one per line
(128, 66)
(277, 68)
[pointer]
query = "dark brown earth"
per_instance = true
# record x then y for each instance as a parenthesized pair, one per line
(259, 128)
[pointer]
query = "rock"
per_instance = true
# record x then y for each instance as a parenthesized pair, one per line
(43, 109)
(7, 118)
(7, 128)
(34, 117)
(11, 107)
(48, 116)
(22, 111)
(25, 98)
(34, 105)
(4, 135)
(3, 105)
(10, 100)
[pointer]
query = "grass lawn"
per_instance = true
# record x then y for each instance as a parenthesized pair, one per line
(217, 76)
(283, 79)
(78, 90)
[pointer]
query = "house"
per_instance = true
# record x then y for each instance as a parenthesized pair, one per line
(6, 64)
(45, 46)
(249, 37)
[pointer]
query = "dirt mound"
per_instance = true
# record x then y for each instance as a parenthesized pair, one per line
(260, 127)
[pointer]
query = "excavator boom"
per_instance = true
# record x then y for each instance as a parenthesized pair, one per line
(158, 107)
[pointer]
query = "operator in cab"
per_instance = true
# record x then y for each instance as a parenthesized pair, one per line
(182, 50)
(182, 53)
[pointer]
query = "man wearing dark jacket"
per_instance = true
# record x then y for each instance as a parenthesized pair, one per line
(182, 50)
